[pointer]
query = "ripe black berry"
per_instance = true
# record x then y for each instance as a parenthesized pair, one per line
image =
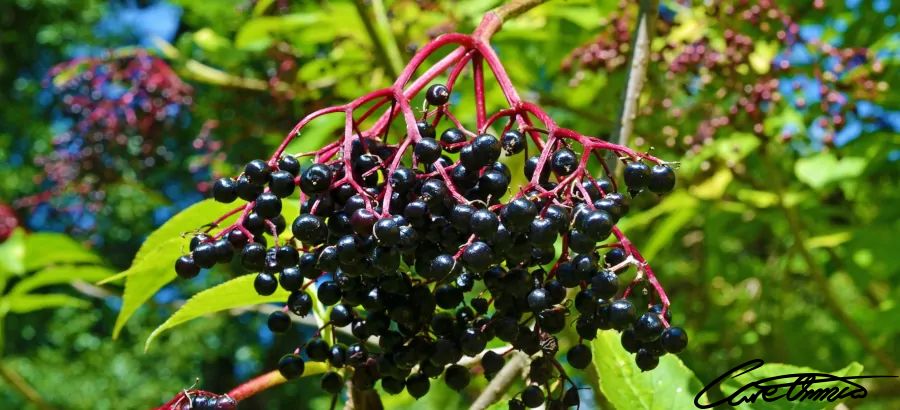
(533, 396)
(316, 179)
(265, 284)
(417, 385)
(621, 314)
(282, 184)
(538, 300)
(299, 303)
(452, 136)
(253, 256)
(246, 190)
(492, 362)
(258, 171)
(605, 284)
(425, 130)
(309, 229)
(317, 350)
(386, 231)
(290, 164)
(646, 360)
(517, 215)
(279, 322)
(332, 383)
(341, 315)
(661, 180)
(205, 255)
(478, 256)
(579, 356)
(186, 268)
(648, 327)
(267, 205)
(329, 293)
(564, 162)
(485, 149)
(291, 366)
(457, 377)
(513, 142)
(595, 224)
(437, 94)
(674, 339)
(636, 175)
(531, 165)
(427, 150)
(225, 190)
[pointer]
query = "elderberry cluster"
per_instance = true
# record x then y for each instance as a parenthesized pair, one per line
(424, 264)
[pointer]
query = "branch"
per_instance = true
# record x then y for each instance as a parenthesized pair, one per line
(389, 59)
(502, 381)
(637, 72)
(495, 18)
(22, 386)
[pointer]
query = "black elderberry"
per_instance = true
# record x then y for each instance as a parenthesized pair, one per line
(636, 175)
(253, 256)
(317, 350)
(493, 183)
(425, 129)
(225, 190)
(267, 205)
(437, 94)
(237, 238)
(570, 398)
(403, 180)
(579, 356)
(282, 184)
(486, 149)
(648, 327)
(484, 223)
(337, 355)
(392, 385)
(543, 232)
(662, 179)
(563, 162)
(329, 293)
(478, 256)
(621, 314)
(586, 327)
(581, 242)
(630, 341)
(448, 296)
(332, 383)
(674, 339)
(518, 214)
(434, 191)
(247, 190)
(532, 396)
(613, 208)
(205, 255)
(427, 150)
(300, 303)
(440, 266)
(290, 164)
(513, 142)
(605, 284)
(279, 322)
(538, 300)
(540, 370)
(257, 171)
(531, 165)
(596, 224)
(472, 342)
(552, 320)
(515, 404)
(316, 179)
(291, 366)
(309, 229)
(265, 284)
(457, 377)
(480, 305)
(646, 360)
(451, 137)
(615, 256)
(417, 385)
(341, 315)
(186, 268)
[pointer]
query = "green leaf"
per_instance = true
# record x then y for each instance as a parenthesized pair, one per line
(762, 56)
(153, 265)
(31, 302)
(778, 369)
(55, 275)
(235, 293)
(258, 33)
(820, 170)
(670, 386)
(12, 254)
(45, 248)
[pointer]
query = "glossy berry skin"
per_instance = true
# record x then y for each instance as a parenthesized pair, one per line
(621, 314)
(225, 190)
(316, 179)
(517, 215)
(437, 94)
(662, 179)
(309, 229)
(579, 356)
(674, 339)
(485, 149)
(538, 300)
(452, 136)
(615, 256)
(492, 362)
(636, 175)
(478, 256)
(205, 255)
(425, 130)
(267, 205)
(247, 190)
(341, 315)
(291, 366)
(513, 142)
(605, 284)
(417, 385)
(186, 268)
(282, 184)
(531, 165)
(563, 162)
(484, 223)
(300, 303)
(648, 327)
(427, 150)
(279, 322)
(596, 224)
(265, 284)
(290, 164)
(457, 377)
(258, 172)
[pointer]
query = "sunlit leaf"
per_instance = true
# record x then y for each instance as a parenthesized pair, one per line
(12, 254)
(47, 248)
(778, 369)
(56, 275)
(235, 293)
(670, 386)
(31, 302)
(824, 168)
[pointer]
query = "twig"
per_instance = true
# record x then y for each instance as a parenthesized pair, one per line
(637, 72)
(502, 381)
(22, 386)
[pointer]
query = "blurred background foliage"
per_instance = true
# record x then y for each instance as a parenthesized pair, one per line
(780, 241)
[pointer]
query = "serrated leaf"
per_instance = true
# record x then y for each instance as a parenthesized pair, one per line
(46, 248)
(12, 254)
(56, 275)
(31, 302)
(235, 293)
(153, 265)
(778, 369)
(670, 386)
